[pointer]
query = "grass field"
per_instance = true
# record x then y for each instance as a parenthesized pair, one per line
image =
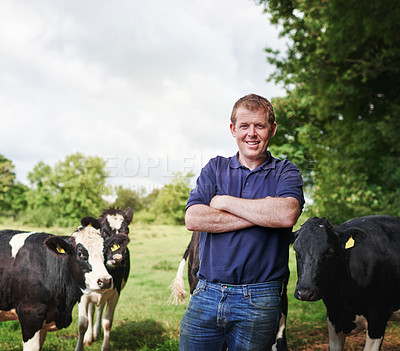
(144, 320)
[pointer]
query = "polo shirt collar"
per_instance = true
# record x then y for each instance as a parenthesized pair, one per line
(269, 163)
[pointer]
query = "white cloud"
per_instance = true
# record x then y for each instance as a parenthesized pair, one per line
(147, 85)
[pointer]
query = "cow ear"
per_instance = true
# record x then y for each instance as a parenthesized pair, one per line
(90, 222)
(351, 237)
(129, 214)
(119, 242)
(58, 246)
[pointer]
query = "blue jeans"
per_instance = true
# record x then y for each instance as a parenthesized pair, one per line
(241, 317)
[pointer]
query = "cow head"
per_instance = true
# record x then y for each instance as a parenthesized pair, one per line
(316, 246)
(64, 264)
(116, 253)
(115, 221)
(90, 253)
(114, 225)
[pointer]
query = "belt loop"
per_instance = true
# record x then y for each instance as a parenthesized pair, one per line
(245, 291)
(202, 284)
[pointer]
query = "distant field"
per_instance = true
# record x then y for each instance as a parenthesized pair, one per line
(145, 321)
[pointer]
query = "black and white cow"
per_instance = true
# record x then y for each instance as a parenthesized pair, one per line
(191, 255)
(178, 292)
(355, 269)
(113, 223)
(42, 276)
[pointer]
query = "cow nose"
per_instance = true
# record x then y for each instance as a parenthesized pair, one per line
(104, 283)
(306, 295)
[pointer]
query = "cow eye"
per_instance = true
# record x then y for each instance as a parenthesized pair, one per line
(82, 256)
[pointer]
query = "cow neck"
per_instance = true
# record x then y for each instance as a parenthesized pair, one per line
(342, 276)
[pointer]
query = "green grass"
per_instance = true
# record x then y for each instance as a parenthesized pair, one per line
(144, 320)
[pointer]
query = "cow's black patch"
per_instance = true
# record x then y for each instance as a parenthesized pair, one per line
(82, 256)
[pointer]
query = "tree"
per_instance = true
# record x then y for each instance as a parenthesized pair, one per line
(7, 178)
(129, 198)
(287, 142)
(70, 191)
(169, 206)
(12, 193)
(149, 199)
(42, 189)
(80, 182)
(342, 70)
(18, 198)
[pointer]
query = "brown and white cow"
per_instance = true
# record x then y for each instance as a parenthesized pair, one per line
(42, 276)
(114, 223)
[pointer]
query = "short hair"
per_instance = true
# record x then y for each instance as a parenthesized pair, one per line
(254, 102)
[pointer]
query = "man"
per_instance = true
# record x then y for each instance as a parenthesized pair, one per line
(245, 206)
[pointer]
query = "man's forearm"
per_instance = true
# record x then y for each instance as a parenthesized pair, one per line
(274, 212)
(207, 219)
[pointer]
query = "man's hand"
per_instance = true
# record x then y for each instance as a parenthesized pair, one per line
(274, 212)
(227, 213)
(218, 202)
(204, 218)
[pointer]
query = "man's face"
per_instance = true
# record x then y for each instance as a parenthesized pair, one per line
(253, 133)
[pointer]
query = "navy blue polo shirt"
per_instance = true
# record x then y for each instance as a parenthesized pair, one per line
(252, 255)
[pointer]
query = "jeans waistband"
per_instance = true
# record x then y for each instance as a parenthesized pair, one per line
(244, 289)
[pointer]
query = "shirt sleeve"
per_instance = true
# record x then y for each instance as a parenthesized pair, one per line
(290, 183)
(205, 188)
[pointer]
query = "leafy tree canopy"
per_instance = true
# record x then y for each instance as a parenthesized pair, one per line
(169, 206)
(129, 198)
(7, 178)
(12, 193)
(341, 72)
(70, 191)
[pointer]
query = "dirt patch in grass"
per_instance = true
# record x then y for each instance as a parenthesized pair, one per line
(317, 340)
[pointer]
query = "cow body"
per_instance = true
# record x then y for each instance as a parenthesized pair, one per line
(113, 223)
(42, 276)
(355, 269)
(178, 292)
(191, 255)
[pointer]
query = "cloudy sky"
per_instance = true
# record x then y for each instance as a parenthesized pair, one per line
(146, 85)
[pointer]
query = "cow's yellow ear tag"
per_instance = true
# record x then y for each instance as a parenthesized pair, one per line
(89, 225)
(350, 243)
(60, 249)
(115, 247)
